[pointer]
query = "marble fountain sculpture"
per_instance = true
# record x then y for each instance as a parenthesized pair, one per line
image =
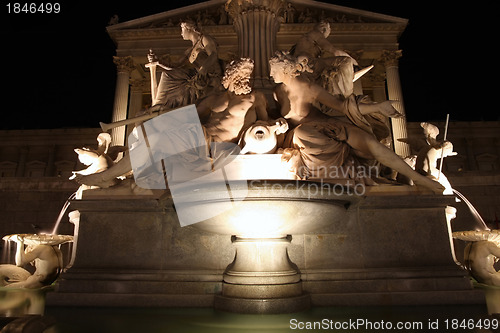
(481, 254)
(23, 293)
(259, 195)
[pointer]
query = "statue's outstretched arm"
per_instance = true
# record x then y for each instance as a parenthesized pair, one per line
(211, 50)
(260, 106)
(494, 249)
(23, 258)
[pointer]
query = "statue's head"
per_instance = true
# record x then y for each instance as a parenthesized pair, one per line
(283, 66)
(188, 27)
(237, 76)
(324, 28)
(86, 156)
(104, 139)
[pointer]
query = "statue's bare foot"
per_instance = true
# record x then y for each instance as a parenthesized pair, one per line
(387, 109)
(292, 157)
(288, 154)
(430, 184)
(95, 179)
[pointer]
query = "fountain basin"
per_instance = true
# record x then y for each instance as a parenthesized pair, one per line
(18, 302)
(260, 216)
(266, 209)
(369, 254)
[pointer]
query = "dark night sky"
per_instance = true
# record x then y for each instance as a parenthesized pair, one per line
(57, 69)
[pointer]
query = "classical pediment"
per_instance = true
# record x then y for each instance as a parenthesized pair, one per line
(363, 33)
(212, 13)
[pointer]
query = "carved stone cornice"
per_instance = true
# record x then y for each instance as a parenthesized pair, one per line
(356, 54)
(391, 58)
(139, 85)
(376, 79)
(223, 30)
(124, 64)
(168, 32)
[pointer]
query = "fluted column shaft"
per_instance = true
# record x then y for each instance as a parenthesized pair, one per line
(137, 88)
(124, 66)
(399, 129)
(256, 24)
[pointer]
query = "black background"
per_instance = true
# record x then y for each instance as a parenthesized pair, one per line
(57, 69)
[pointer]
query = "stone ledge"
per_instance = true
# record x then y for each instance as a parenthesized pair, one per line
(410, 298)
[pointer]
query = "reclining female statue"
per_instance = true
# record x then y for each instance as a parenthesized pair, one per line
(318, 140)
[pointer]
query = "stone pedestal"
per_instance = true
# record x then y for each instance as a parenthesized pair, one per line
(388, 247)
(262, 279)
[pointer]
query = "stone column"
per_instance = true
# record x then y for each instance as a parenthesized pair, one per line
(256, 23)
(378, 84)
(124, 66)
(137, 88)
(391, 60)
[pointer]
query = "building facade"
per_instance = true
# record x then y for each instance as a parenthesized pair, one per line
(35, 164)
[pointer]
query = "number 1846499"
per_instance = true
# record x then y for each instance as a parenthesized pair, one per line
(33, 8)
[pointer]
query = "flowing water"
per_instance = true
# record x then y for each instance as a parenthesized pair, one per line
(473, 210)
(6, 252)
(61, 214)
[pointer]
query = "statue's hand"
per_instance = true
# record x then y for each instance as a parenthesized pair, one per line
(203, 70)
(17, 238)
(340, 53)
(387, 109)
(283, 126)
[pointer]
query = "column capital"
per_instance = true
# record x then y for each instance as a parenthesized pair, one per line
(391, 58)
(235, 8)
(124, 64)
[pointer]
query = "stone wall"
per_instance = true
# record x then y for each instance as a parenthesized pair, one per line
(42, 160)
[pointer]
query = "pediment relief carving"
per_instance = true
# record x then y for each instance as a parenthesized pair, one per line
(302, 12)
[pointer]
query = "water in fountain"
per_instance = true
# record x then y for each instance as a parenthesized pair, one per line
(473, 210)
(61, 214)
(6, 252)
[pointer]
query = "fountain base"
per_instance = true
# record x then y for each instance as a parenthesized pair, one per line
(262, 279)
(263, 305)
(389, 247)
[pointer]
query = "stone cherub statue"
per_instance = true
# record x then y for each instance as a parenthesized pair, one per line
(43, 252)
(94, 161)
(427, 158)
(97, 160)
(427, 163)
(481, 254)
